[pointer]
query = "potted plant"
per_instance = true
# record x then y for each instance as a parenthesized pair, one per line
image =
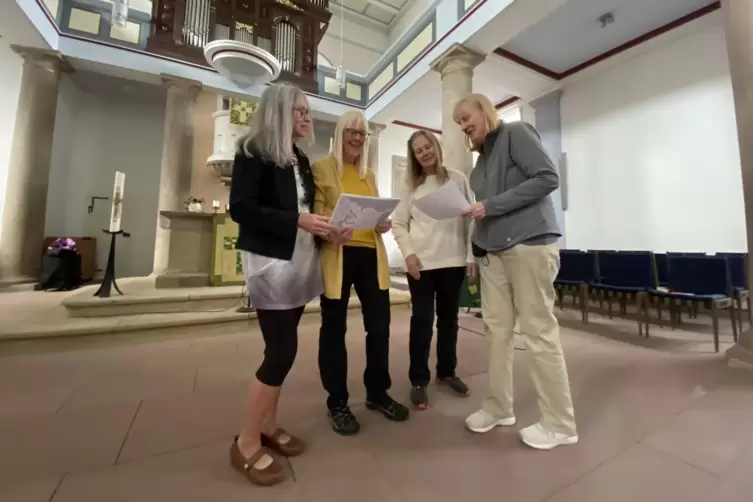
(195, 204)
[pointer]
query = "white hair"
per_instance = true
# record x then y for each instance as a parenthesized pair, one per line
(347, 120)
(271, 133)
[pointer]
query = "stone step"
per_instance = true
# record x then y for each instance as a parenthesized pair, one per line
(142, 322)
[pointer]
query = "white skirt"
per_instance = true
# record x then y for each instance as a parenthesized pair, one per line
(275, 284)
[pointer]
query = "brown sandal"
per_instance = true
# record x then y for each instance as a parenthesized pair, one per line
(273, 474)
(292, 448)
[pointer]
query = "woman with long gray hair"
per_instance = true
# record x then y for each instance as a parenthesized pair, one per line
(271, 199)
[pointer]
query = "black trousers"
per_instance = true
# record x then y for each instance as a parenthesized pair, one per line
(279, 328)
(359, 271)
(441, 286)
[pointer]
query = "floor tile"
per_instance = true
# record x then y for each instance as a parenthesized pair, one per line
(30, 490)
(710, 439)
(193, 475)
(640, 473)
(166, 425)
(64, 442)
(660, 419)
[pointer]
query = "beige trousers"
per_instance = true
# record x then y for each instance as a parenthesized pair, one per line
(517, 285)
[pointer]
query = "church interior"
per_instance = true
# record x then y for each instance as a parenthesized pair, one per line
(119, 123)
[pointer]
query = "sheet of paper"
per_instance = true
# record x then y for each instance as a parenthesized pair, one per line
(443, 203)
(361, 213)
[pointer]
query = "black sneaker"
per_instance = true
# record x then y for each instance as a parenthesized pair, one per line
(456, 384)
(419, 397)
(389, 408)
(343, 421)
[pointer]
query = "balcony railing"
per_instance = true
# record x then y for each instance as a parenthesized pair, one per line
(288, 29)
(197, 25)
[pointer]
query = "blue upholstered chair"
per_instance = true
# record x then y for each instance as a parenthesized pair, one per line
(702, 280)
(738, 266)
(624, 276)
(577, 271)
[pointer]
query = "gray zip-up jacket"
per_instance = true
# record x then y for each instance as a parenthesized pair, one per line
(514, 178)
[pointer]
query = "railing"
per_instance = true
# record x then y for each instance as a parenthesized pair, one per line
(322, 4)
(288, 29)
(181, 28)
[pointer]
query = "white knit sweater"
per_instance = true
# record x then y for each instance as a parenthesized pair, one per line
(437, 243)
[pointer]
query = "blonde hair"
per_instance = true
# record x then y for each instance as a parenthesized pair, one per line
(347, 120)
(271, 128)
(487, 108)
(414, 174)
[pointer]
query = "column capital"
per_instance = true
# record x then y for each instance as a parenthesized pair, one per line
(50, 60)
(376, 129)
(457, 58)
(552, 98)
(190, 87)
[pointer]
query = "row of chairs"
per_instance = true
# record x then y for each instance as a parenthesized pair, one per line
(674, 280)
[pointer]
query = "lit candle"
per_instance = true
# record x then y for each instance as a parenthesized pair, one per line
(331, 140)
(215, 204)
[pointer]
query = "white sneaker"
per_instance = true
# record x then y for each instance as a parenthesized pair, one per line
(539, 437)
(483, 421)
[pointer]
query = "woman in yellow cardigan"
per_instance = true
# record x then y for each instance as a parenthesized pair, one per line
(353, 259)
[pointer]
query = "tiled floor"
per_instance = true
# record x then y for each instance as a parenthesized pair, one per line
(150, 419)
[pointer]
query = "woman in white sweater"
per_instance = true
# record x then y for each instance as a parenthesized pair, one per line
(437, 256)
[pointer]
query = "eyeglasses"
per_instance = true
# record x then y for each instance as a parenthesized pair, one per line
(357, 133)
(302, 111)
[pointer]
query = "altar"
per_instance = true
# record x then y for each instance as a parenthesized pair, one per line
(202, 244)
(202, 250)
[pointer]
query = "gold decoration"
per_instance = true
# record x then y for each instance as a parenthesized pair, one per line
(245, 27)
(241, 111)
(289, 4)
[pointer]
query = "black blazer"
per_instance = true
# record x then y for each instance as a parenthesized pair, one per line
(264, 203)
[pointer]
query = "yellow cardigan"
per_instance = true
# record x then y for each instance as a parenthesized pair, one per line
(328, 190)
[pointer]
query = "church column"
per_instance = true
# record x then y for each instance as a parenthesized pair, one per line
(738, 25)
(374, 131)
(456, 68)
(29, 170)
(177, 161)
(549, 125)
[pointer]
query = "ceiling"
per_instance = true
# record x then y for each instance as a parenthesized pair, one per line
(421, 105)
(16, 29)
(383, 12)
(113, 87)
(573, 34)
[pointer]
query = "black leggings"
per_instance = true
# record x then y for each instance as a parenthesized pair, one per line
(279, 328)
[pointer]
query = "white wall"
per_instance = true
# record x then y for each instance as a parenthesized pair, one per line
(362, 48)
(97, 134)
(653, 160)
(10, 85)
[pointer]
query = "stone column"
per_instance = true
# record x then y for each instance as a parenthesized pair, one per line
(176, 165)
(456, 66)
(738, 25)
(374, 132)
(29, 169)
(549, 125)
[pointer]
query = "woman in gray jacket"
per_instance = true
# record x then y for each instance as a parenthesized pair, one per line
(515, 243)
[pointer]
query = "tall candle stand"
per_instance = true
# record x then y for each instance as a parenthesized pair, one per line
(108, 281)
